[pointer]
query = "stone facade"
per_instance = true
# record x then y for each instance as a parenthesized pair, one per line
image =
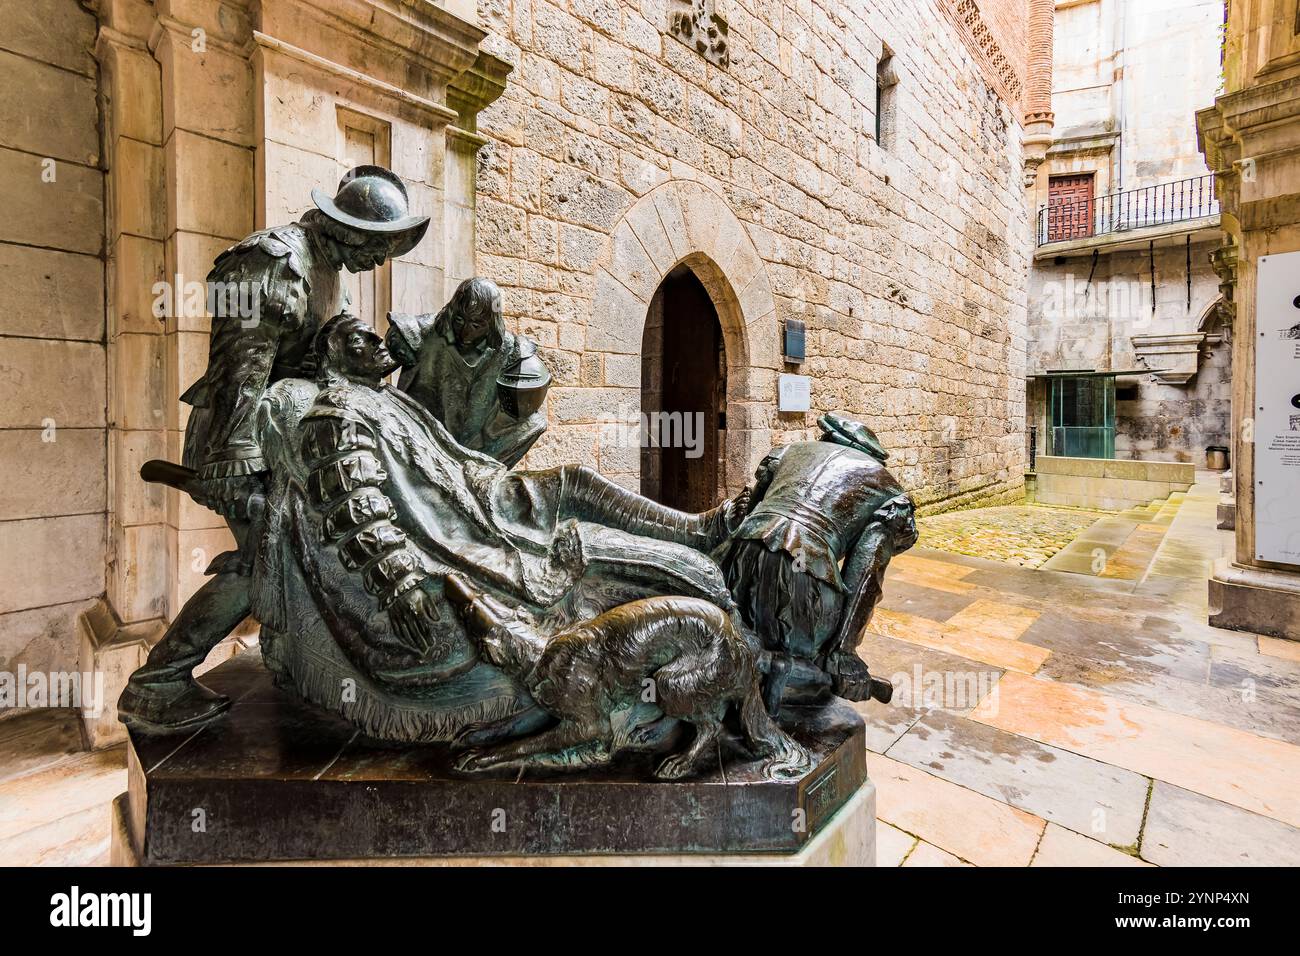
(625, 145)
(175, 128)
(618, 151)
(53, 373)
(1128, 77)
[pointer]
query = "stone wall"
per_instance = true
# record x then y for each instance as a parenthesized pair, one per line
(137, 142)
(52, 356)
(1128, 78)
(618, 151)
(1081, 318)
(1108, 485)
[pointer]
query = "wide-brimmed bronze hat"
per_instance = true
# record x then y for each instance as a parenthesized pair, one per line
(373, 199)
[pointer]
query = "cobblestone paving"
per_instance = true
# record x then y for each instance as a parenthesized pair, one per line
(1024, 535)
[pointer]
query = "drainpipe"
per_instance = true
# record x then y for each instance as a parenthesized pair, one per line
(1118, 75)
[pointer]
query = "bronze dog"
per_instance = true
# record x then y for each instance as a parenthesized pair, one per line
(623, 679)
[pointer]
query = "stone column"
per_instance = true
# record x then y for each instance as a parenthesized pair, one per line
(1251, 138)
(115, 634)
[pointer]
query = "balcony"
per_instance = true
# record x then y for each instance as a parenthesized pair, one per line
(1134, 213)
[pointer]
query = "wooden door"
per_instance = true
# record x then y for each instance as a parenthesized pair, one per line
(692, 390)
(1069, 207)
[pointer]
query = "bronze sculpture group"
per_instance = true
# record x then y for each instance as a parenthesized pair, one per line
(406, 575)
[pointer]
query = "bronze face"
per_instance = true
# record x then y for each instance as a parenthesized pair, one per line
(358, 351)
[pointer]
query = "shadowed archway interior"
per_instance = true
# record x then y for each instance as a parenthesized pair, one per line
(683, 395)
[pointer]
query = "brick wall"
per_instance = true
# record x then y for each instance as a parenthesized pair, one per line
(996, 32)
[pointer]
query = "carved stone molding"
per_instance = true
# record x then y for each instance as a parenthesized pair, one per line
(1174, 357)
(477, 87)
(1224, 261)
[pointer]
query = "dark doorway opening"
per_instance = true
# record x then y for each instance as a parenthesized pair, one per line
(683, 396)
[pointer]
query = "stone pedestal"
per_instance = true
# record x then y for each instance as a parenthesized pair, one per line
(1259, 600)
(275, 780)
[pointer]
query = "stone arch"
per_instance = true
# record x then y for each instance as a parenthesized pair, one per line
(683, 222)
(1214, 318)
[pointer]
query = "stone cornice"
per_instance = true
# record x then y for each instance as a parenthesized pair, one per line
(1255, 112)
(174, 30)
(264, 42)
(1092, 142)
(414, 32)
(107, 39)
(477, 87)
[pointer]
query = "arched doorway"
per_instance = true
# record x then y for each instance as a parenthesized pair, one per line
(683, 395)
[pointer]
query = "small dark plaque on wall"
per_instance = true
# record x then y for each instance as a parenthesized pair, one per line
(793, 346)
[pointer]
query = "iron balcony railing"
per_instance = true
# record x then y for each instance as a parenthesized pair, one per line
(1156, 205)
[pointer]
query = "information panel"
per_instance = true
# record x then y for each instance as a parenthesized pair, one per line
(1277, 409)
(794, 393)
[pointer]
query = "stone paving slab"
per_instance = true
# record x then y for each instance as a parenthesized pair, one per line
(1083, 795)
(994, 619)
(937, 605)
(1251, 676)
(892, 844)
(1108, 531)
(1188, 829)
(1060, 588)
(78, 839)
(927, 855)
(885, 723)
(1119, 652)
(1263, 714)
(1283, 650)
(997, 651)
(925, 679)
(1237, 767)
(921, 573)
(967, 824)
(1134, 556)
(1062, 847)
(62, 789)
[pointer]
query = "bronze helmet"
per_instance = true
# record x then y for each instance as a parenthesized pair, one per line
(372, 199)
(522, 384)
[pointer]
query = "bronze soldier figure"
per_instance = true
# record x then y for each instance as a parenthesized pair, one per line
(291, 277)
(483, 382)
(807, 564)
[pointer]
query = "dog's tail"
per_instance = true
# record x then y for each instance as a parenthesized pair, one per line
(785, 758)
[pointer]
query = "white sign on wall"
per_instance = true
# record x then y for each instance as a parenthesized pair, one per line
(794, 393)
(1277, 409)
